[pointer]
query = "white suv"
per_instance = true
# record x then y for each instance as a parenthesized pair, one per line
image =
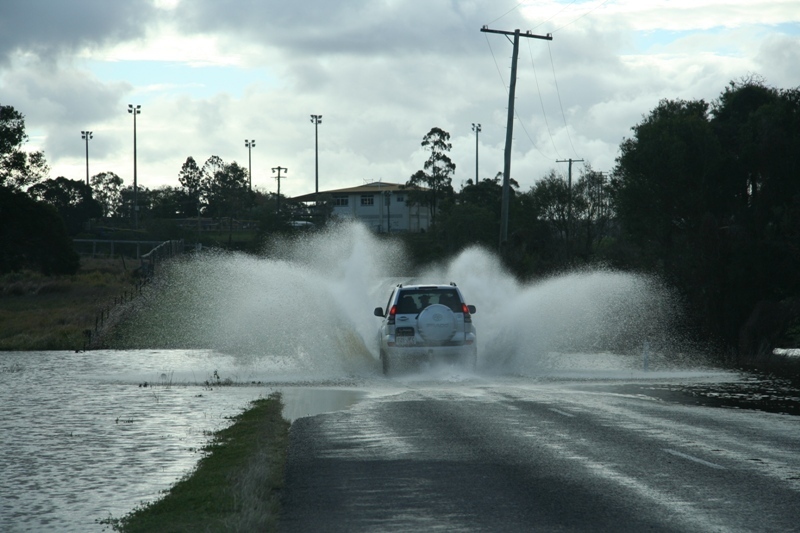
(426, 322)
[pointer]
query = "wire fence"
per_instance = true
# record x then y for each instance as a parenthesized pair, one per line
(148, 268)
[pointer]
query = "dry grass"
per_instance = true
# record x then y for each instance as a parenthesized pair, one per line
(53, 312)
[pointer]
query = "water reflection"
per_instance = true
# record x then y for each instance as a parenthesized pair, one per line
(762, 393)
(82, 438)
(306, 401)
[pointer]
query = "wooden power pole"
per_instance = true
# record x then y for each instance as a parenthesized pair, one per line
(510, 123)
(278, 177)
(569, 189)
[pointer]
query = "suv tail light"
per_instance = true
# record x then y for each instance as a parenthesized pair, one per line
(465, 310)
(392, 314)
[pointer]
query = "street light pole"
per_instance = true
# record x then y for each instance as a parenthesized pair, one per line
(316, 120)
(135, 110)
(477, 129)
(250, 144)
(86, 135)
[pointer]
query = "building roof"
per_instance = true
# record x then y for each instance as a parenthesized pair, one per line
(374, 187)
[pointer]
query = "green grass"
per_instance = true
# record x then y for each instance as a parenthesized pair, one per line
(236, 485)
(52, 312)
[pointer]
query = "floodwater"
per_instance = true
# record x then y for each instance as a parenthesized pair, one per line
(82, 438)
(88, 436)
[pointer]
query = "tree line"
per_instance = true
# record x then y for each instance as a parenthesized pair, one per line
(39, 215)
(706, 195)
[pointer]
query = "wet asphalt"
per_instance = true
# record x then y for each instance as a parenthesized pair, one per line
(543, 457)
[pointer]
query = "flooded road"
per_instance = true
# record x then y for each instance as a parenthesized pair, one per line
(83, 439)
(516, 455)
(586, 408)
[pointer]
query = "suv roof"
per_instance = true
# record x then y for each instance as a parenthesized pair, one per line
(426, 286)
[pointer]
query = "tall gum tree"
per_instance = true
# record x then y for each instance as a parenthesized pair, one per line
(437, 176)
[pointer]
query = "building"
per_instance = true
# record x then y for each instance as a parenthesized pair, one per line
(379, 205)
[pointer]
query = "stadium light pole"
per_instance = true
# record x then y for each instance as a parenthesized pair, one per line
(250, 144)
(316, 120)
(477, 129)
(135, 110)
(86, 135)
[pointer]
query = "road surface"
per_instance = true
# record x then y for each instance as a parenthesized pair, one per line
(521, 456)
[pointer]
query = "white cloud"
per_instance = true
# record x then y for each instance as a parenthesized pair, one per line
(210, 74)
(663, 15)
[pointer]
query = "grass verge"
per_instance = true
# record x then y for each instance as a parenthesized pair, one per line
(235, 486)
(54, 312)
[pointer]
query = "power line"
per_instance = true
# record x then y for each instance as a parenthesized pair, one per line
(506, 13)
(598, 6)
(516, 114)
(502, 81)
(554, 15)
(541, 102)
(558, 92)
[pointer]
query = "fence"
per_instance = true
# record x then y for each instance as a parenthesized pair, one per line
(161, 253)
(164, 251)
(112, 247)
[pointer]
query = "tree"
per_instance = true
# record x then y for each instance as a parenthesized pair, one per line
(666, 176)
(18, 169)
(474, 216)
(487, 193)
(549, 202)
(225, 188)
(171, 202)
(711, 200)
(212, 168)
(71, 198)
(191, 179)
(130, 199)
(590, 207)
(107, 189)
(759, 131)
(33, 235)
(437, 176)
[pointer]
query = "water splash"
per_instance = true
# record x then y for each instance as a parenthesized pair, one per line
(308, 306)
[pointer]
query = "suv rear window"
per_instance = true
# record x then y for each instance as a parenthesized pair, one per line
(411, 301)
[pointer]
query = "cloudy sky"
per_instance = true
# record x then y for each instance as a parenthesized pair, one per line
(211, 73)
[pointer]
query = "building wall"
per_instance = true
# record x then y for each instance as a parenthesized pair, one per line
(371, 209)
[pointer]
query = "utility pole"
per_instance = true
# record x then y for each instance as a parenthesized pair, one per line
(278, 177)
(569, 189)
(510, 122)
(477, 129)
(250, 144)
